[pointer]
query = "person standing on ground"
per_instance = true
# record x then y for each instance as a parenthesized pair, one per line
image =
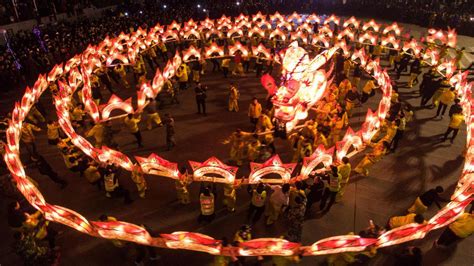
(201, 96)
(97, 131)
(255, 110)
(112, 186)
(400, 131)
(152, 115)
(183, 76)
(170, 132)
(257, 204)
(345, 170)
(259, 65)
(139, 180)
(367, 90)
(296, 218)
(131, 122)
(456, 120)
(333, 185)
(446, 98)
(225, 66)
(415, 70)
(455, 108)
(279, 200)
(206, 200)
(181, 185)
(53, 132)
(357, 76)
(234, 98)
(230, 197)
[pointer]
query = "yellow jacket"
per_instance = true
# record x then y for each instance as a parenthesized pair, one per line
(98, 132)
(77, 114)
(234, 94)
(464, 225)
(447, 97)
(27, 132)
(398, 221)
(456, 120)
(255, 110)
(132, 124)
(345, 171)
(53, 131)
(264, 123)
(182, 74)
(225, 62)
(369, 86)
(92, 174)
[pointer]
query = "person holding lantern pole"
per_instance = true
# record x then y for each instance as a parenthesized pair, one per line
(333, 186)
(230, 197)
(237, 141)
(182, 75)
(112, 186)
(257, 204)
(131, 122)
(181, 185)
(152, 115)
(344, 168)
(415, 70)
(170, 132)
(97, 131)
(139, 180)
(225, 65)
(120, 71)
(460, 229)
(279, 201)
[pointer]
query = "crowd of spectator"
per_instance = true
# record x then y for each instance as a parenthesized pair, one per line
(58, 41)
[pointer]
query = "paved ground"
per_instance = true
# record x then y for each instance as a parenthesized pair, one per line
(421, 163)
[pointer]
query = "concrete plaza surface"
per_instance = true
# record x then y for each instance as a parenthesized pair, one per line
(421, 162)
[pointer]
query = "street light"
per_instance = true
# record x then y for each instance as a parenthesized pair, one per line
(198, 6)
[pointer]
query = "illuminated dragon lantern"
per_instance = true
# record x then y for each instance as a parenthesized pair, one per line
(303, 84)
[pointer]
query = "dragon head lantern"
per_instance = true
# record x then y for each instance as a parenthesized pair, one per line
(303, 84)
